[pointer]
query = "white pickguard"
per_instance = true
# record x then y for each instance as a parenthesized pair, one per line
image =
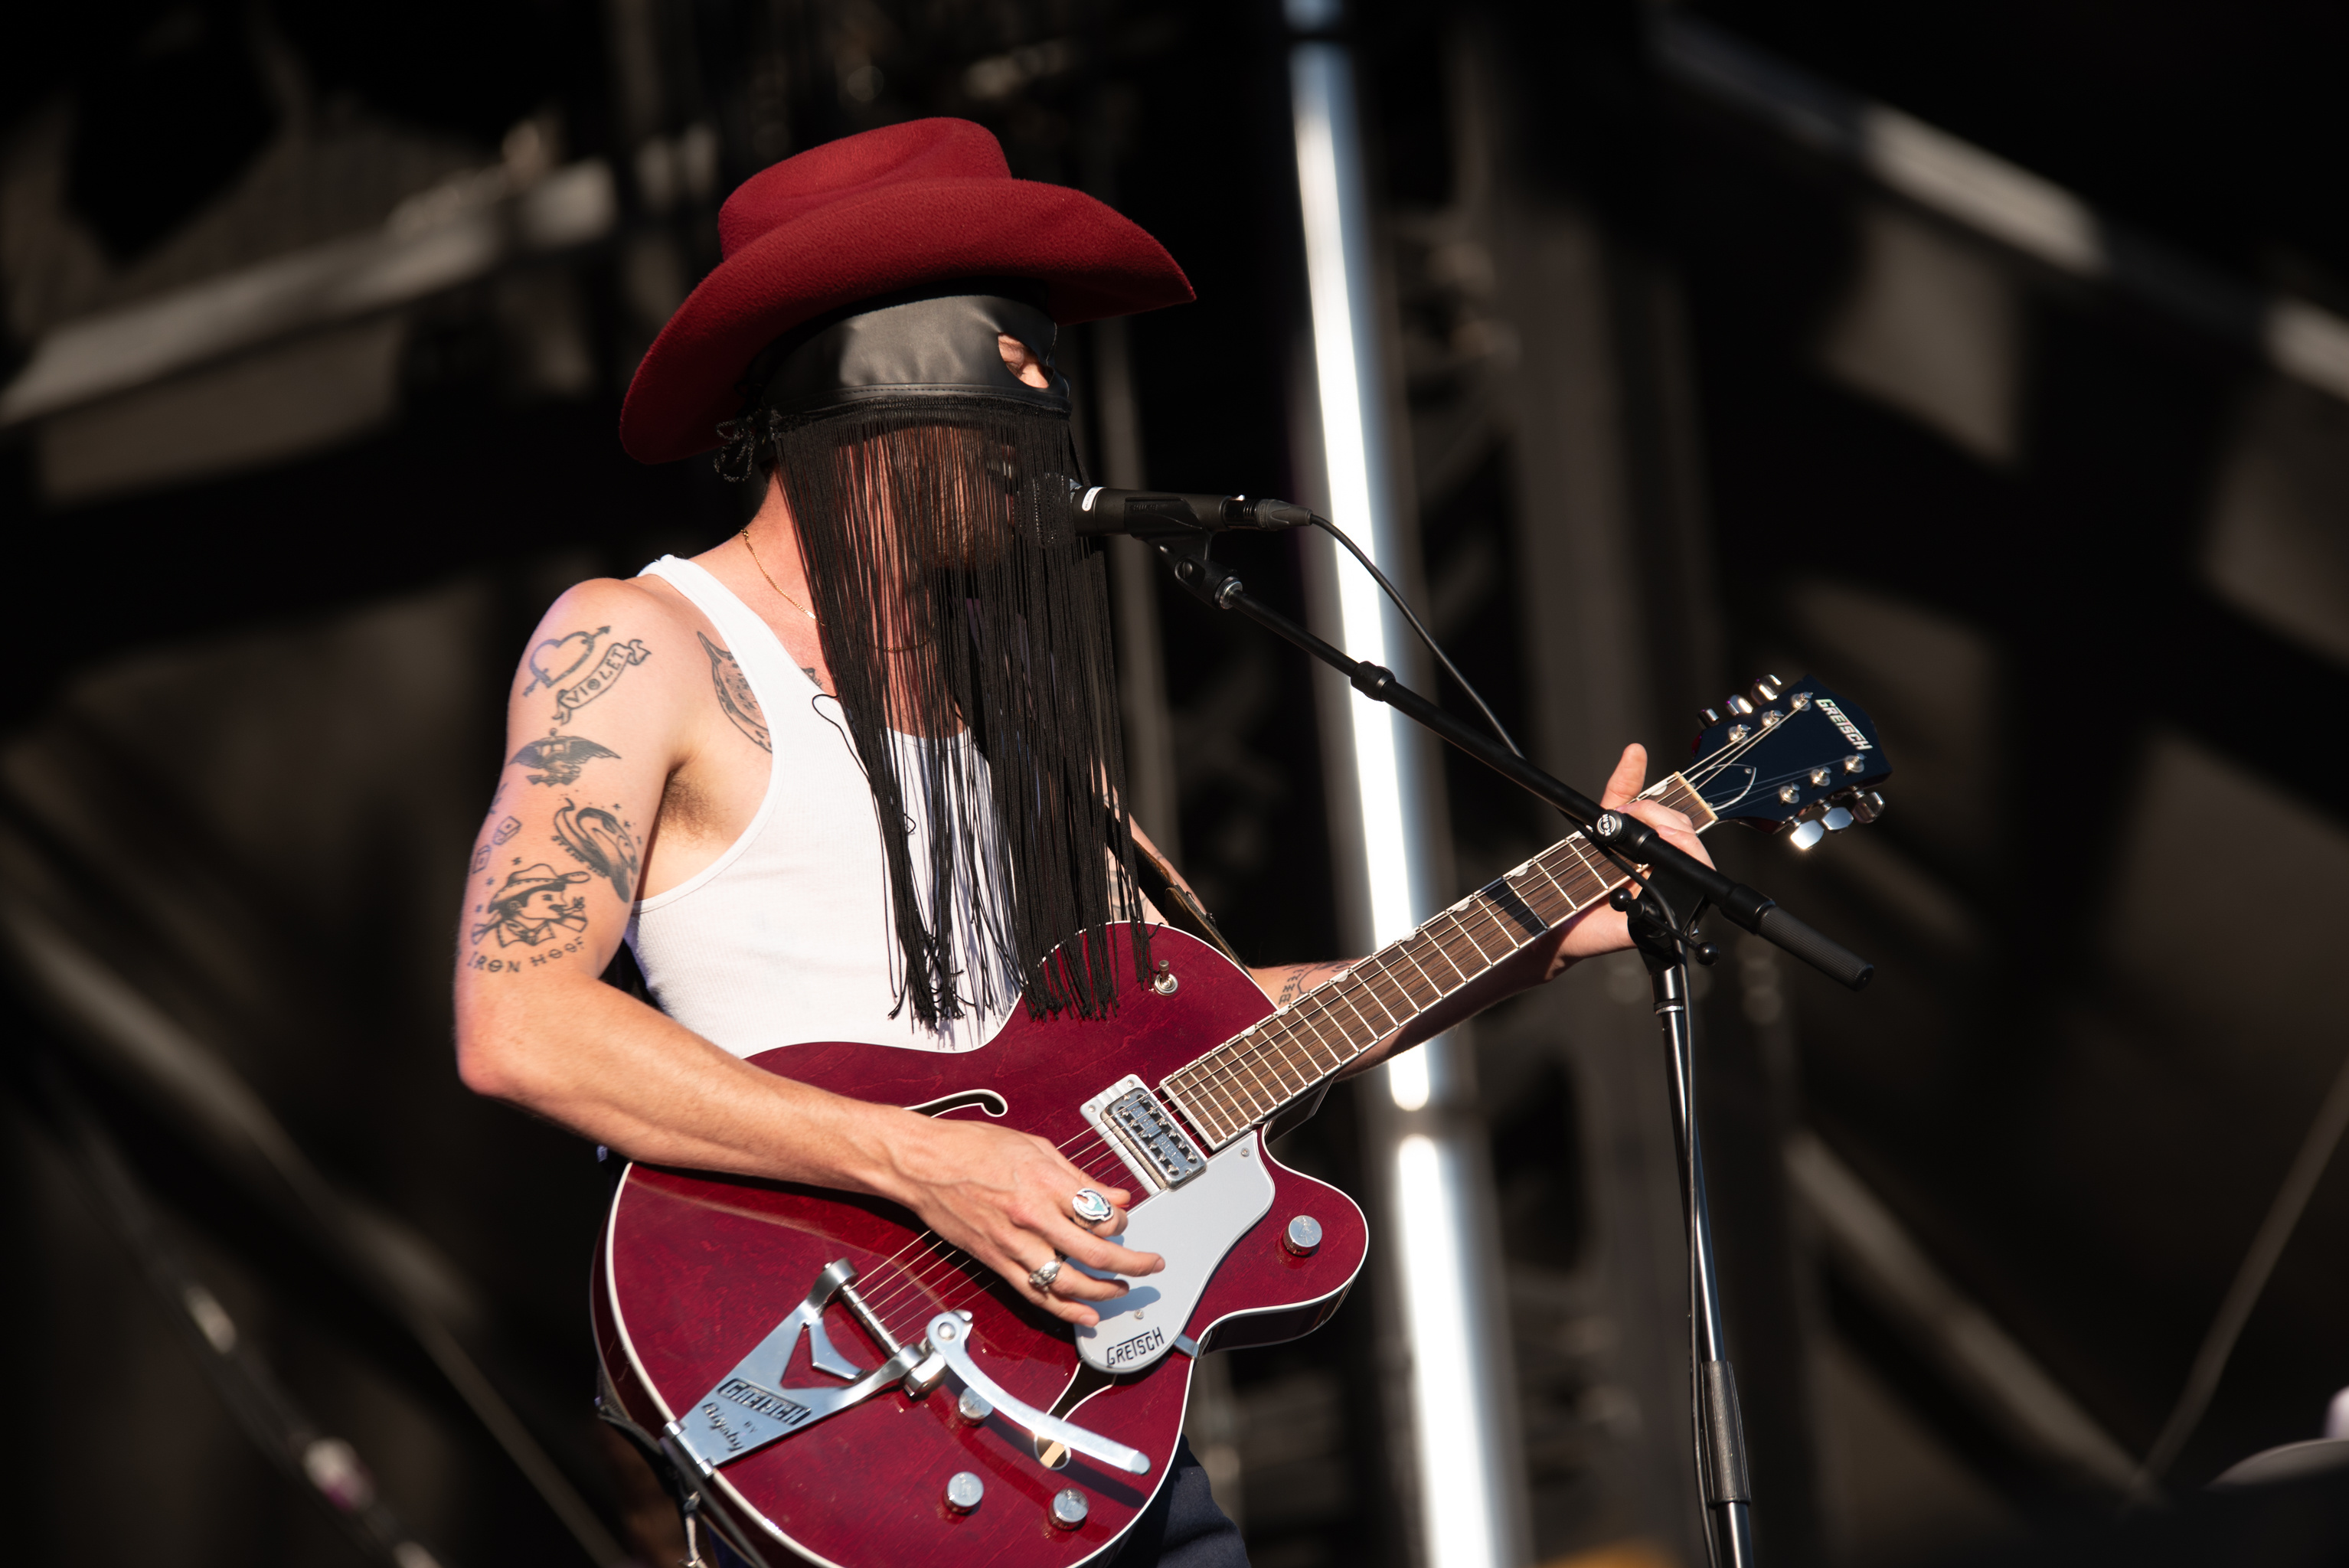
(1192, 1227)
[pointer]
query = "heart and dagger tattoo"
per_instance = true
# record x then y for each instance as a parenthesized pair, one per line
(535, 907)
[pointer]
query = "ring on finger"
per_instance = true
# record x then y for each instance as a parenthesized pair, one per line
(1042, 1280)
(1089, 1207)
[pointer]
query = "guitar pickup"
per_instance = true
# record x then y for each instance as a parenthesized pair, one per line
(1156, 1148)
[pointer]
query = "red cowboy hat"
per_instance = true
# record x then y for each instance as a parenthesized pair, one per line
(921, 202)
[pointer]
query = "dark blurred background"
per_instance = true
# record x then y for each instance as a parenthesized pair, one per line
(1988, 363)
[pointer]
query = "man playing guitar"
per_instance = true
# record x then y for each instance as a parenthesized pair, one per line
(702, 756)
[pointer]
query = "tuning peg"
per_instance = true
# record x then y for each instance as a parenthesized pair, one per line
(1837, 818)
(1711, 716)
(1768, 688)
(1867, 808)
(1803, 835)
(1738, 705)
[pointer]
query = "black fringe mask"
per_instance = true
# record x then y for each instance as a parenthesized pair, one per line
(951, 592)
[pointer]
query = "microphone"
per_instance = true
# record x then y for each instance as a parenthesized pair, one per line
(1163, 515)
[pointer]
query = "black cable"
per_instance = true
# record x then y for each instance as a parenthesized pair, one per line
(1394, 595)
(1334, 531)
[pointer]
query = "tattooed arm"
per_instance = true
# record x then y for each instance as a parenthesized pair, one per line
(638, 755)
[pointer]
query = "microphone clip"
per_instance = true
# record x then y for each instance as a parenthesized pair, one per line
(1159, 516)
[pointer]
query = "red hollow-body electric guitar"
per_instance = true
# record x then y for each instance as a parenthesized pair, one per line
(830, 1382)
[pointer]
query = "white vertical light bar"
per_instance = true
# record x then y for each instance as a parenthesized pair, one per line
(1336, 273)
(1458, 1501)
(1338, 287)
(1460, 1497)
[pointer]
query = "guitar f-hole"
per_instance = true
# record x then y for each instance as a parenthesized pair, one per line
(987, 1099)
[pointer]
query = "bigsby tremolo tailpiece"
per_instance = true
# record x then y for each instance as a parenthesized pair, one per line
(750, 1407)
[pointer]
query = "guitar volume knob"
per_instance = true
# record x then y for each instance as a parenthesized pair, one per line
(1067, 1509)
(1302, 1239)
(965, 1491)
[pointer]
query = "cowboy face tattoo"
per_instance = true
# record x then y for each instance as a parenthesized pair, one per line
(534, 906)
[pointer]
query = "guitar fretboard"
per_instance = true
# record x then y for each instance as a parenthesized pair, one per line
(1250, 1077)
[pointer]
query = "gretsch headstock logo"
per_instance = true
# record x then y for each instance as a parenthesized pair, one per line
(1850, 730)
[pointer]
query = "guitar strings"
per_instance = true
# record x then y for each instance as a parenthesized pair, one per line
(923, 1276)
(909, 1277)
(959, 1259)
(936, 1281)
(932, 1275)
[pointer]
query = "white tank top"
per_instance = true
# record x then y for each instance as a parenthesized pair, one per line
(786, 937)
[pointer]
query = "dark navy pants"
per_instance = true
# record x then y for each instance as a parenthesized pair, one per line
(1183, 1529)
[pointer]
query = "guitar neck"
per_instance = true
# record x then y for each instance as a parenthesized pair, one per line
(1250, 1078)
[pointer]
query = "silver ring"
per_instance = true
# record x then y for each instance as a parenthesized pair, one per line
(1043, 1277)
(1090, 1207)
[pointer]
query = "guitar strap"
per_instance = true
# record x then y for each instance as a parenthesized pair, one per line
(1173, 896)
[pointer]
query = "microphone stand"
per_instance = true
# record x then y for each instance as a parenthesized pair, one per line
(1672, 881)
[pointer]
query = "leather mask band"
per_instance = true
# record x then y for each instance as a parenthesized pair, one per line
(938, 342)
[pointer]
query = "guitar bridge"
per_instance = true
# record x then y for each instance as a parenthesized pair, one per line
(1156, 1148)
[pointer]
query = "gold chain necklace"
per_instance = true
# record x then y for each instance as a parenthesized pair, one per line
(802, 609)
(771, 581)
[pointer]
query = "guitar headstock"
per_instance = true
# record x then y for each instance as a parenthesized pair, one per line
(1790, 754)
